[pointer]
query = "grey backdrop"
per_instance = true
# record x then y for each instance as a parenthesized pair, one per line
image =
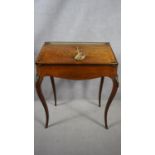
(78, 20)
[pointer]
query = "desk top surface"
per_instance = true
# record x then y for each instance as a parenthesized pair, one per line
(64, 53)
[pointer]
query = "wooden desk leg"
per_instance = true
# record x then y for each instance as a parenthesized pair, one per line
(112, 95)
(54, 90)
(39, 92)
(100, 90)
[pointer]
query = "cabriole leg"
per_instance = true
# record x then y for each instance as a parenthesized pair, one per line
(54, 90)
(40, 95)
(100, 90)
(112, 95)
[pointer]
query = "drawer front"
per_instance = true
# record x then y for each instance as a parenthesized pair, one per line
(77, 72)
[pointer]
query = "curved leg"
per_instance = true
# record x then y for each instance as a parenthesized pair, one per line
(39, 92)
(54, 90)
(112, 95)
(100, 90)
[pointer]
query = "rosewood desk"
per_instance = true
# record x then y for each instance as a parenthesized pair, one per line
(58, 59)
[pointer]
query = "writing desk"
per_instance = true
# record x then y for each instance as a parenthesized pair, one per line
(57, 59)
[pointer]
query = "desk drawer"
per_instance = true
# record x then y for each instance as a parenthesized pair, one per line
(77, 72)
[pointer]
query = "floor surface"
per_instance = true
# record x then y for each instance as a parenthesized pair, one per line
(77, 128)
